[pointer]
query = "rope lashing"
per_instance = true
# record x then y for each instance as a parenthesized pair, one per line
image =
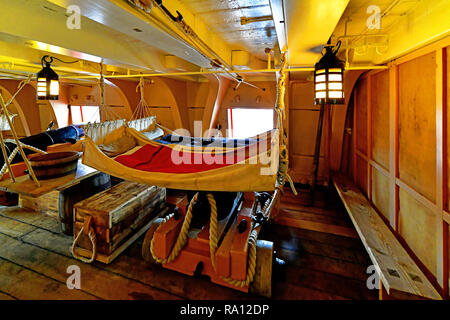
(92, 238)
(141, 110)
(11, 156)
(280, 108)
(213, 244)
(182, 237)
(108, 110)
(14, 153)
(213, 240)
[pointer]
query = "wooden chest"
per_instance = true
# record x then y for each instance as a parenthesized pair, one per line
(59, 202)
(119, 215)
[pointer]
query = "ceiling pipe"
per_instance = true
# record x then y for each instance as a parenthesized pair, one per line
(170, 74)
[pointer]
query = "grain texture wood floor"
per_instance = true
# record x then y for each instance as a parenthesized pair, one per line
(34, 256)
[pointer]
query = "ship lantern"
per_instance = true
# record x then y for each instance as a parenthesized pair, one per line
(47, 81)
(329, 78)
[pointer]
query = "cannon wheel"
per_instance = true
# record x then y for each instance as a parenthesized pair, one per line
(262, 282)
(146, 254)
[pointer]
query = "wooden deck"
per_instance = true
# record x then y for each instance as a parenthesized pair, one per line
(34, 257)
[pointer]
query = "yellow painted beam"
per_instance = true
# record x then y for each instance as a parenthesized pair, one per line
(169, 74)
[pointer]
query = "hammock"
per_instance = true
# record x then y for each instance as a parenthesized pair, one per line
(248, 167)
(256, 164)
(141, 119)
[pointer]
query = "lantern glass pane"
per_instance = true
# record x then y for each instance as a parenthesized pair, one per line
(335, 94)
(54, 87)
(335, 86)
(321, 86)
(321, 95)
(321, 78)
(320, 71)
(334, 77)
(335, 70)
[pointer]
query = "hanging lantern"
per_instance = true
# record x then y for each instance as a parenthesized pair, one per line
(329, 78)
(47, 81)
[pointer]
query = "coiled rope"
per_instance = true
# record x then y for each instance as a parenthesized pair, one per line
(182, 237)
(213, 244)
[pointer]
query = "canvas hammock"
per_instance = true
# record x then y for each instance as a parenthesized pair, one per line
(152, 162)
(249, 167)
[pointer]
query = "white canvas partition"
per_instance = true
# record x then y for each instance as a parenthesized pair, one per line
(98, 130)
(143, 124)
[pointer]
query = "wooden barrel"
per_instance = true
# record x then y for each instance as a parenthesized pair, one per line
(54, 164)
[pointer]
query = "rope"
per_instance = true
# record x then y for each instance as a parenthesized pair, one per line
(280, 108)
(103, 106)
(182, 237)
(93, 240)
(26, 146)
(5, 166)
(14, 153)
(141, 109)
(213, 243)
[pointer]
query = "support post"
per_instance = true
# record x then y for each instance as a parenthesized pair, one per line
(317, 151)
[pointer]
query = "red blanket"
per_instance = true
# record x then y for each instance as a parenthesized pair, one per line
(159, 159)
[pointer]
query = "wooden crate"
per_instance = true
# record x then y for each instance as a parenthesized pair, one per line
(47, 203)
(59, 202)
(119, 216)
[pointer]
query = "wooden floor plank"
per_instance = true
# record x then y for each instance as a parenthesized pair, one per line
(4, 296)
(330, 283)
(315, 217)
(319, 264)
(14, 228)
(288, 291)
(286, 233)
(32, 218)
(323, 224)
(324, 264)
(137, 269)
(95, 281)
(316, 210)
(321, 249)
(25, 284)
